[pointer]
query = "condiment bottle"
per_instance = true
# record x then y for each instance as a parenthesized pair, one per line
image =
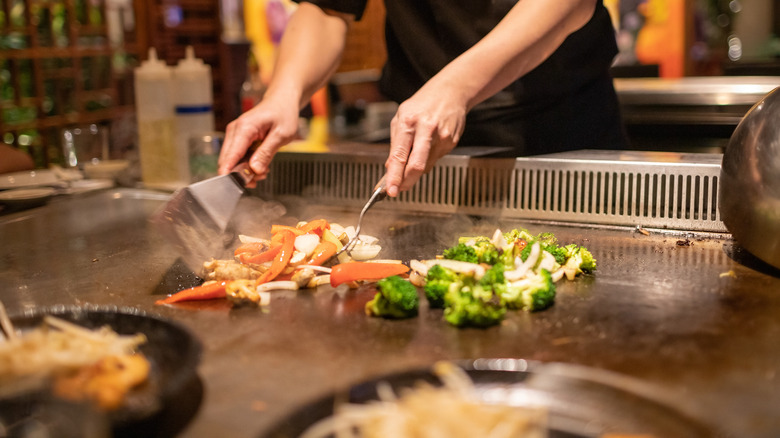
(194, 102)
(253, 89)
(160, 164)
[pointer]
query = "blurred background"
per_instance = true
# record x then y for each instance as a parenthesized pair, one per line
(66, 63)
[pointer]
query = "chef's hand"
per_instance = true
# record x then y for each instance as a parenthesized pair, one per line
(426, 127)
(270, 125)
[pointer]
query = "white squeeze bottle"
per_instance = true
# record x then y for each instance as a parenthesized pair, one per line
(194, 102)
(160, 166)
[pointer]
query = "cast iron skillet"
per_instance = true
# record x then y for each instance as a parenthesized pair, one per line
(161, 406)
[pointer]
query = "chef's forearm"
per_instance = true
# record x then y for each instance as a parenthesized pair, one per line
(309, 53)
(528, 35)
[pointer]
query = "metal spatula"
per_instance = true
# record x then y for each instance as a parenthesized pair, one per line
(379, 193)
(196, 217)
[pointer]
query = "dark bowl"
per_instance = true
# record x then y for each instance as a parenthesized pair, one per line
(173, 352)
(581, 402)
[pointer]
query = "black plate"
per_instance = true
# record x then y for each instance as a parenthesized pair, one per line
(172, 394)
(581, 402)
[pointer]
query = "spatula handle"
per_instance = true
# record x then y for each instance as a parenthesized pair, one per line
(243, 173)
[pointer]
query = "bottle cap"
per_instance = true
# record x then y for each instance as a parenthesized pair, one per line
(191, 64)
(153, 66)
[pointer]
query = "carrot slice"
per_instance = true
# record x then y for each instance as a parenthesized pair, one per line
(356, 271)
(265, 256)
(281, 260)
(206, 291)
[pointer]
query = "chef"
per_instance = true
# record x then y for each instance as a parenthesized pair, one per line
(530, 74)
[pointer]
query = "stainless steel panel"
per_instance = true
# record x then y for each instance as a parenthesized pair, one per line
(654, 190)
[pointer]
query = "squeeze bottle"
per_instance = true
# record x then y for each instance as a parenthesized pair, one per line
(160, 165)
(194, 103)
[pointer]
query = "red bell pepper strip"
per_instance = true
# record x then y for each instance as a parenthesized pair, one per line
(316, 226)
(356, 271)
(207, 291)
(265, 256)
(322, 253)
(251, 247)
(281, 260)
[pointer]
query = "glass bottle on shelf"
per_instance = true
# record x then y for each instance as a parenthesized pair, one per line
(253, 89)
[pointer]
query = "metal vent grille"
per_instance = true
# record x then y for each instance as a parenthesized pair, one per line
(675, 191)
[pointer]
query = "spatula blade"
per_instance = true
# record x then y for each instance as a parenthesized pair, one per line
(194, 221)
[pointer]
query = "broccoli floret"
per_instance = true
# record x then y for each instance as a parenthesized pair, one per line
(437, 282)
(532, 294)
(473, 305)
(579, 259)
(518, 234)
(494, 275)
(526, 251)
(547, 239)
(559, 253)
(486, 251)
(476, 303)
(462, 252)
(396, 298)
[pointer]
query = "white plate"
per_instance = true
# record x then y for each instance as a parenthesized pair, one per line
(32, 178)
(27, 197)
(88, 185)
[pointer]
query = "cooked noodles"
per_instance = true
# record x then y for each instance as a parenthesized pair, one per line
(55, 349)
(425, 411)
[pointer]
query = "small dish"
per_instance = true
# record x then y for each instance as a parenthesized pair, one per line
(105, 169)
(31, 197)
(88, 185)
(32, 178)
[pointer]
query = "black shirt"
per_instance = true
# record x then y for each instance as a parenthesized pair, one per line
(565, 103)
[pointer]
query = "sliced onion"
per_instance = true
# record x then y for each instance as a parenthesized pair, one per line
(524, 266)
(368, 240)
(557, 275)
(277, 285)
(306, 243)
(243, 238)
(265, 298)
(349, 231)
(419, 267)
(548, 261)
(364, 252)
(474, 269)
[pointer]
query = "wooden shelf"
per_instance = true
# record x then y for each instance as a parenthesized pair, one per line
(63, 73)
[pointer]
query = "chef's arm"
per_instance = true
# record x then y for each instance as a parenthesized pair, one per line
(309, 53)
(528, 35)
(429, 124)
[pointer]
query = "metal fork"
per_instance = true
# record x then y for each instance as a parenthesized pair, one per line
(380, 193)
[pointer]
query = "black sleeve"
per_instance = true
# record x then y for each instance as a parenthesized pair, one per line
(354, 7)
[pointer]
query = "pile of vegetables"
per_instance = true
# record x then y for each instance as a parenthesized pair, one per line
(476, 282)
(480, 278)
(303, 256)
